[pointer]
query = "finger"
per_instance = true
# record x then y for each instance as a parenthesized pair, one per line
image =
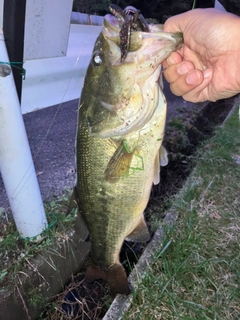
(186, 82)
(173, 72)
(202, 92)
(174, 57)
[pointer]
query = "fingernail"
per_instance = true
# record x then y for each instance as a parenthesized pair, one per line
(183, 69)
(192, 78)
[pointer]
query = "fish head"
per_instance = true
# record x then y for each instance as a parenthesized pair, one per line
(120, 96)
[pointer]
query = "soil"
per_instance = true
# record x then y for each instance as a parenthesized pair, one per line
(90, 300)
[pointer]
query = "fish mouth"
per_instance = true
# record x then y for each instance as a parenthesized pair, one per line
(112, 27)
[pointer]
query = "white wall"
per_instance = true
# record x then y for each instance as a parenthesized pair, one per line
(46, 28)
(52, 81)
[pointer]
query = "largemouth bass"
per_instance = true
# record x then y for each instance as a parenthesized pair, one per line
(119, 136)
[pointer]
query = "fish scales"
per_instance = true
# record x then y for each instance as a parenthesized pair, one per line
(107, 206)
(120, 130)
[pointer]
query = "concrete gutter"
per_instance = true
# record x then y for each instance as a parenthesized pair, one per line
(44, 276)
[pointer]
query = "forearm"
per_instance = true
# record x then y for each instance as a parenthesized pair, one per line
(237, 54)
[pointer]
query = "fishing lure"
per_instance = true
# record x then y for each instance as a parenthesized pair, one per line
(132, 20)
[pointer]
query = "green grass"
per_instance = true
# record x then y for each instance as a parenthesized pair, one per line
(176, 123)
(198, 275)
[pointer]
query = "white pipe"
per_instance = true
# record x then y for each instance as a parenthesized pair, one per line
(16, 163)
(1, 15)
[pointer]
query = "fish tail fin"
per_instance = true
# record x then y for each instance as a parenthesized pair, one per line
(117, 279)
(115, 276)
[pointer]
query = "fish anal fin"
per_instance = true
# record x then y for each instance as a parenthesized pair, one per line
(119, 164)
(115, 276)
(140, 233)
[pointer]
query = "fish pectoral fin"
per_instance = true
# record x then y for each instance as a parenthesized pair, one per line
(160, 160)
(156, 172)
(119, 164)
(163, 155)
(115, 275)
(140, 233)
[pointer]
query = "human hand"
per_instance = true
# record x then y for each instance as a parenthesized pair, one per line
(207, 67)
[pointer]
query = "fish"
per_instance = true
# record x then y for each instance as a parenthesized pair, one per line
(121, 122)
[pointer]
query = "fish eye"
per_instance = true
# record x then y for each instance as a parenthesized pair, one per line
(97, 59)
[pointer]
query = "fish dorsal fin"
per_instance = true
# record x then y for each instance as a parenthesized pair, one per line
(119, 164)
(160, 160)
(140, 233)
